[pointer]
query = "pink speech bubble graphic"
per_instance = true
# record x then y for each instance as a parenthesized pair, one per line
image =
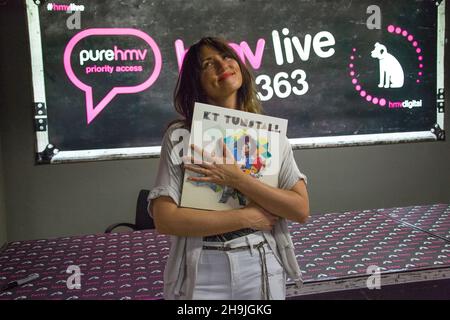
(91, 110)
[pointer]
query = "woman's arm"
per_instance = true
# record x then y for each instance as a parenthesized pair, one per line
(173, 220)
(290, 204)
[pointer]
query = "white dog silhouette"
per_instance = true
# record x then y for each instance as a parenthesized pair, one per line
(391, 71)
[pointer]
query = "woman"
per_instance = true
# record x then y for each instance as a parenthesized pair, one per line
(235, 254)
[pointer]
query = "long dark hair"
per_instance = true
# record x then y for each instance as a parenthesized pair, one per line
(188, 89)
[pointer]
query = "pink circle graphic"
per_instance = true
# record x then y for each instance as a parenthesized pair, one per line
(396, 30)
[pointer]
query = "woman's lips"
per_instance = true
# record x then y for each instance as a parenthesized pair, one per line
(225, 75)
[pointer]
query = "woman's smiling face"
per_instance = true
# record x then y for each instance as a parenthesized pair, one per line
(220, 77)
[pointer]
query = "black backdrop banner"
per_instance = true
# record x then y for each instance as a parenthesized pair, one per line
(342, 72)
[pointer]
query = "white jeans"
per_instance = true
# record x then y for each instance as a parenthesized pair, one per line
(237, 274)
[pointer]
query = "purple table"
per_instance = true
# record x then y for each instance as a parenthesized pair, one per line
(433, 219)
(334, 251)
(113, 266)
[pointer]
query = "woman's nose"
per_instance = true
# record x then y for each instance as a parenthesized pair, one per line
(221, 65)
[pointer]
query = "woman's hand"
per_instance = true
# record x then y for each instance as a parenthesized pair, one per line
(255, 217)
(222, 170)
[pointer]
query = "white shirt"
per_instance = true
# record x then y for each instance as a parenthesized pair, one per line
(181, 268)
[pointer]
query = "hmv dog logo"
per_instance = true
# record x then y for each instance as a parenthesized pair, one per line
(399, 63)
(391, 71)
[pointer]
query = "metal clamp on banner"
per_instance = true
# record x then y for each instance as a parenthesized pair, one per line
(440, 101)
(40, 117)
(38, 2)
(438, 132)
(40, 109)
(46, 155)
(40, 125)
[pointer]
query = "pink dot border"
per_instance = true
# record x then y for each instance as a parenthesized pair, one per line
(359, 88)
(397, 31)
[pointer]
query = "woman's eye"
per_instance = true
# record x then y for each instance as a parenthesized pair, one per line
(207, 65)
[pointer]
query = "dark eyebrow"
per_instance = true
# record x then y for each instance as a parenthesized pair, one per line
(207, 58)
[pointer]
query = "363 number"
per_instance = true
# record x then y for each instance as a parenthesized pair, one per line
(281, 85)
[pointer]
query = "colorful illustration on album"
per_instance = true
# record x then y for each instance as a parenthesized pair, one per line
(251, 164)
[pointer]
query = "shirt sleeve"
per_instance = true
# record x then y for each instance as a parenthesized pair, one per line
(289, 172)
(169, 178)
